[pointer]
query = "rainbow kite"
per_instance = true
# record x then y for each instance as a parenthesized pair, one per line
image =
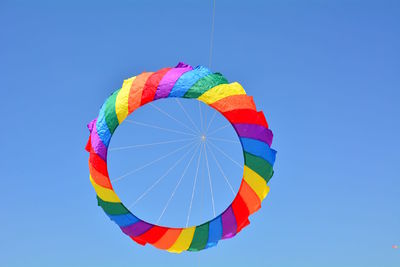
(213, 89)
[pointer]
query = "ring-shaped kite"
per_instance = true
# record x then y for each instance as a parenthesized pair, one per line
(231, 101)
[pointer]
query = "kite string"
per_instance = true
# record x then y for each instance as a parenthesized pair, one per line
(209, 179)
(211, 45)
(149, 144)
(221, 170)
(219, 129)
(201, 118)
(159, 179)
(171, 117)
(224, 140)
(212, 36)
(187, 115)
(150, 163)
(177, 185)
(226, 155)
(194, 187)
(211, 120)
(158, 127)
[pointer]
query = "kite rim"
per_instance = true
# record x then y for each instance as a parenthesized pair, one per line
(148, 87)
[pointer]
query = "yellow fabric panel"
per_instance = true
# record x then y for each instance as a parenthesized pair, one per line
(184, 240)
(256, 182)
(104, 193)
(121, 103)
(221, 91)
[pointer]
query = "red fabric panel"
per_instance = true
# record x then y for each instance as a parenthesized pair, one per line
(151, 236)
(241, 213)
(150, 87)
(136, 91)
(98, 163)
(250, 116)
(88, 146)
(139, 241)
(99, 178)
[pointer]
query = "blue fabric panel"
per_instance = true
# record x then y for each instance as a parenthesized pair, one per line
(259, 149)
(124, 219)
(187, 80)
(102, 128)
(214, 232)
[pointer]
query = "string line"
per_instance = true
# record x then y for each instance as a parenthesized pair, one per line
(176, 187)
(186, 114)
(150, 163)
(158, 127)
(149, 144)
(171, 117)
(222, 171)
(226, 155)
(159, 179)
(209, 179)
(194, 187)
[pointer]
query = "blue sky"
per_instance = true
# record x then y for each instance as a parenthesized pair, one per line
(326, 74)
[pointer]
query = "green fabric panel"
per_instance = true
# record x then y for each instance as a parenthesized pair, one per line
(205, 84)
(259, 165)
(200, 238)
(110, 113)
(112, 208)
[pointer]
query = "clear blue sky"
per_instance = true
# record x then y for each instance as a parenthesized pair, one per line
(326, 74)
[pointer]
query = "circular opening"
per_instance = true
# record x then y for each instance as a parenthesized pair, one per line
(175, 162)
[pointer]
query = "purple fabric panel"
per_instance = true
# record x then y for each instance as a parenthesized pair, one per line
(254, 131)
(228, 223)
(168, 81)
(136, 229)
(90, 125)
(98, 147)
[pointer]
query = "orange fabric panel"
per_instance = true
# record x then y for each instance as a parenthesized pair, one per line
(99, 178)
(168, 239)
(135, 93)
(234, 102)
(249, 197)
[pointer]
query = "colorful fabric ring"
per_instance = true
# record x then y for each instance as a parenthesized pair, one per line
(213, 89)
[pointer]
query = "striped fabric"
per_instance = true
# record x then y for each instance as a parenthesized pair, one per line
(230, 100)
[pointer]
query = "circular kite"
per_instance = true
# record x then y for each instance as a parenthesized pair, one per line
(213, 89)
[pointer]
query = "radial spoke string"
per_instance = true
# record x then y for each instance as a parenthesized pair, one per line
(201, 117)
(158, 127)
(150, 163)
(226, 155)
(177, 185)
(187, 115)
(171, 117)
(224, 140)
(212, 118)
(150, 144)
(219, 129)
(205, 120)
(221, 170)
(194, 187)
(159, 179)
(209, 178)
